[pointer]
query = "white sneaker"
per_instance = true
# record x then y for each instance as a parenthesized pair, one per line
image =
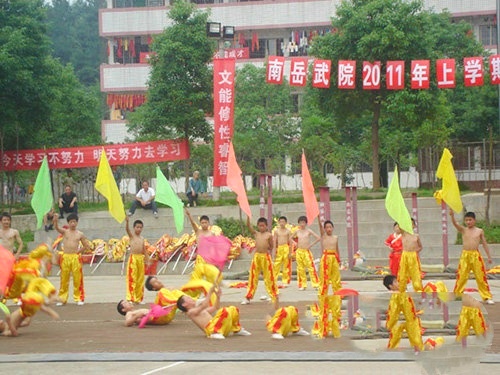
(142, 303)
(155, 214)
(129, 213)
(243, 332)
(302, 288)
(217, 336)
(301, 332)
(59, 304)
(265, 298)
(245, 302)
(80, 303)
(277, 336)
(489, 302)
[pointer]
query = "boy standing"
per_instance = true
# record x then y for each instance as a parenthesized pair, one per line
(9, 235)
(329, 268)
(225, 321)
(135, 265)
(304, 256)
(401, 302)
(261, 262)
(471, 259)
(282, 260)
(410, 262)
(71, 260)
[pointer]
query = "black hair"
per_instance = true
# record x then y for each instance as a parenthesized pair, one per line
(72, 217)
(119, 307)
(204, 217)
(283, 218)
(138, 222)
(147, 284)
(328, 222)
(180, 303)
(413, 221)
(389, 280)
(262, 220)
(5, 214)
(470, 214)
(302, 218)
(395, 223)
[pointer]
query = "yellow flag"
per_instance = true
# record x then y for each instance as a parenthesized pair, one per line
(450, 193)
(395, 205)
(106, 185)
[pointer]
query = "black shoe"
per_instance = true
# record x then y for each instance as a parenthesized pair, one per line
(46, 228)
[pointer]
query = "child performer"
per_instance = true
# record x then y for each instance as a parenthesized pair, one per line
(261, 262)
(471, 259)
(134, 316)
(71, 260)
(7, 324)
(135, 265)
(284, 322)
(470, 317)
(394, 241)
(165, 297)
(203, 270)
(304, 256)
(410, 262)
(225, 321)
(401, 302)
(282, 261)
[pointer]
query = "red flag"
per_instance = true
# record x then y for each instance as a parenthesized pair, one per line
(235, 182)
(214, 250)
(312, 207)
(6, 262)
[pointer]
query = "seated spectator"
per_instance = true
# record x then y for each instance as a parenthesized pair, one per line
(145, 198)
(195, 188)
(68, 202)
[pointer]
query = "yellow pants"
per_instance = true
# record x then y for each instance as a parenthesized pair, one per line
(402, 303)
(31, 302)
(225, 321)
(135, 278)
(71, 265)
(305, 263)
(471, 260)
(328, 319)
(167, 297)
(283, 264)
(205, 271)
(262, 263)
(329, 272)
(284, 321)
(410, 268)
(196, 288)
(470, 317)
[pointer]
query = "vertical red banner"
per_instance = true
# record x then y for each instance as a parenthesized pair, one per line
(445, 72)
(395, 75)
(224, 75)
(473, 71)
(420, 74)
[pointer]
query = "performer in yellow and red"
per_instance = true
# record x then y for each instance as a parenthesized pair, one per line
(395, 243)
(136, 262)
(471, 259)
(167, 297)
(284, 322)
(71, 260)
(401, 302)
(410, 261)
(261, 262)
(471, 316)
(303, 255)
(283, 257)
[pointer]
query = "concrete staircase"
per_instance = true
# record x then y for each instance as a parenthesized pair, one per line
(374, 226)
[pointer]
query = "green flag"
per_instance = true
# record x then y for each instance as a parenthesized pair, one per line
(395, 205)
(166, 195)
(42, 200)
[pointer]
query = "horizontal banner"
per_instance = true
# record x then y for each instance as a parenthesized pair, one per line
(89, 156)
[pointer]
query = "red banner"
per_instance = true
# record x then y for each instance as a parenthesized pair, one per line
(89, 156)
(371, 75)
(274, 69)
(298, 71)
(420, 74)
(445, 71)
(346, 74)
(473, 71)
(495, 69)
(224, 74)
(321, 73)
(395, 75)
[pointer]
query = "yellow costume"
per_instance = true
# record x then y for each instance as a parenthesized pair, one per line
(283, 264)
(196, 288)
(401, 302)
(284, 321)
(33, 298)
(471, 260)
(329, 272)
(135, 278)
(71, 265)
(470, 317)
(410, 268)
(166, 297)
(305, 263)
(205, 271)
(225, 321)
(261, 263)
(329, 314)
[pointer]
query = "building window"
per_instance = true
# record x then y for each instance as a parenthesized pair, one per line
(488, 35)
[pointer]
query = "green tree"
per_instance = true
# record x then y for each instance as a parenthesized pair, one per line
(180, 86)
(385, 30)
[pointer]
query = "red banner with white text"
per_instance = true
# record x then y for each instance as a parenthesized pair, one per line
(89, 156)
(224, 74)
